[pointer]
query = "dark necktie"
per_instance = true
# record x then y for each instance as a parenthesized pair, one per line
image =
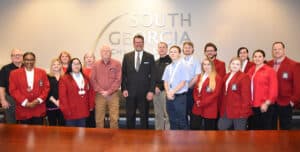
(138, 62)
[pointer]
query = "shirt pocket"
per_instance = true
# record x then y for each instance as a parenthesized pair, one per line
(112, 73)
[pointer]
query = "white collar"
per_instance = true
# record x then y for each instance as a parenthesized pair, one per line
(78, 79)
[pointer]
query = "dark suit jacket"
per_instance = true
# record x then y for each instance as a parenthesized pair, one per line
(139, 82)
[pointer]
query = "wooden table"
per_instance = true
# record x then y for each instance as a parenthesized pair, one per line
(63, 139)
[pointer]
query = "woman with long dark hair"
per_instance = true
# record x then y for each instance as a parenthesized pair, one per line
(264, 91)
(75, 95)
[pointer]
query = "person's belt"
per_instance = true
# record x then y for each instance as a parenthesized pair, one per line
(180, 94)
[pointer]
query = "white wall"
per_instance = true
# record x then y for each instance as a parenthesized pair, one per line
(48, 26)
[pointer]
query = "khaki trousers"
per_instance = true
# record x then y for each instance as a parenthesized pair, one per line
(112, 103)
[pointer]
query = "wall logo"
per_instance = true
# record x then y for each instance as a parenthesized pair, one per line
(173, 28)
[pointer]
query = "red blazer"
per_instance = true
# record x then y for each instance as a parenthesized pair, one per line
(265, 85)
(220, 67)
(18, 90)
(236, 102)
(288, 76)
(248, 66)
(73, 105)
(87, 72)
(64, 69)
(208, 107)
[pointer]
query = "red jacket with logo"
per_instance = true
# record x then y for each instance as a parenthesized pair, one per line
(18, 89)
(72, 104)
(288, 76)
(208, 107)
(265, 85)
(236, 101)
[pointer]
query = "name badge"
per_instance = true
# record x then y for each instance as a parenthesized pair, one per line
(208, 89)
(146, 62)
(285, 75)
(112, 69)
(81, 92)
(41, 83)
(234, 87)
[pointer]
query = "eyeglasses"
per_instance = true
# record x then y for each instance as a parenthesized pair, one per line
(16, 55)
(29, 60)
(76, 64)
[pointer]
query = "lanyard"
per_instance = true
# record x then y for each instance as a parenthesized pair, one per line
(173, 71)
(189, 61)
(252, 84)
(79, 80)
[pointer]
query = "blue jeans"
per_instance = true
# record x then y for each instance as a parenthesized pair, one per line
(76, 122)
(177, 113)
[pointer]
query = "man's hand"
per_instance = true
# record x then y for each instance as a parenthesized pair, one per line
(171, 95)
(104, 93)
(264, 107)
(149, 96)
(125, 93)
(5, 104)
(292, 104)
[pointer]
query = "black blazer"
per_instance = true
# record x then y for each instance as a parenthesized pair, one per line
(52, 92)
(139, 82)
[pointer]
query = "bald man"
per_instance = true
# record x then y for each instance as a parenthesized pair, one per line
(106, 80)
(7, 101)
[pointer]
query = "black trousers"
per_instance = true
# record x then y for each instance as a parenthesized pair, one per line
(261, 121)
(284, 115)
(32, 121)
(189, 104)
(90, 120)
(55, 118)
(132, 104)
(197, 123)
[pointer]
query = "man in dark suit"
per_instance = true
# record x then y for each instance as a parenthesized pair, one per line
(138, 82)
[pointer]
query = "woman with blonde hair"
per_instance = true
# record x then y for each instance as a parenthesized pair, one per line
(54, 115)
(206, 95)
(89, 60)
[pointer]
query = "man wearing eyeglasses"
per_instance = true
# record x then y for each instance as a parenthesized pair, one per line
(138, 83)
(7, 101)
(210, 50)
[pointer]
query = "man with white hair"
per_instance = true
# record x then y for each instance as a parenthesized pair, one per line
(106, 80)
(7, 101)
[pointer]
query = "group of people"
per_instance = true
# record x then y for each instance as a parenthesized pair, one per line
(187, 93)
